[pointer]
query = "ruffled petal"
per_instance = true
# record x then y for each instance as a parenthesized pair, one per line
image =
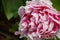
(39, 20)
(21, 11)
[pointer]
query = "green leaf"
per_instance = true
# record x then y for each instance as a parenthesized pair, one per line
(14, 28)
(11, 7)
(56, 4)
(57, 38)
(24, 38)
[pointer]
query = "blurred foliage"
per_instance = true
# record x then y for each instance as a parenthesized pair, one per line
(11, 7)
(11, 12)
(56, 4)
(14, 28)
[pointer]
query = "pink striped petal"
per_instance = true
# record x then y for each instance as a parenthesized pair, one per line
(39, 20)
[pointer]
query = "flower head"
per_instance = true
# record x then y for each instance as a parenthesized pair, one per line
(38, 20)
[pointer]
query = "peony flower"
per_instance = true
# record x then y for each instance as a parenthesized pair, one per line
(39, 20)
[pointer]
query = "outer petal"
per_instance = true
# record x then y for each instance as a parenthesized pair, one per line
(58, 33)
(21, 11)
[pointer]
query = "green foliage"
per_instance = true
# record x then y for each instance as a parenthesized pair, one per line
(57, 38)
(14, 28)
(56, 4)
(24, 38)
(11, 7)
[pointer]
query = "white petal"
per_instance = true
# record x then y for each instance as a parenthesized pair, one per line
(58, 33)
(30, 36)
(46, 2)
(36, 16)
(45, 26)
(51, 26)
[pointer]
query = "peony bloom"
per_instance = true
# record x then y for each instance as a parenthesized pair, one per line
(39, 20)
